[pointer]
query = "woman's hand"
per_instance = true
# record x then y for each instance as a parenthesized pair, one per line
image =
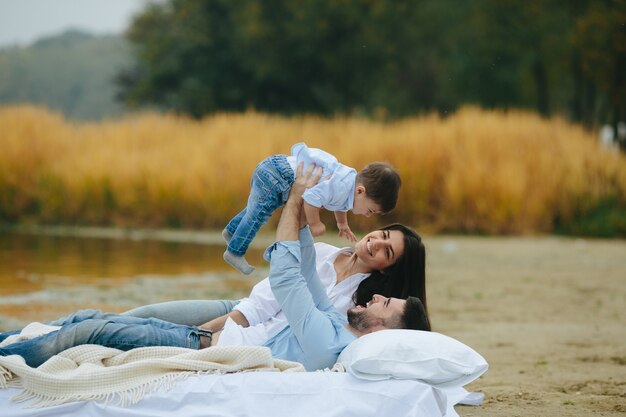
(305, 180)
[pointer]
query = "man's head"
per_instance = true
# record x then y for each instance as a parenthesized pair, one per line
(376, 191)
(388, 313)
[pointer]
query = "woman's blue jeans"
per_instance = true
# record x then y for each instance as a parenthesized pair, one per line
(105, 329)
(187, 312)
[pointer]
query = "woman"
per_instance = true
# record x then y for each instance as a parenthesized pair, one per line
(351, 277)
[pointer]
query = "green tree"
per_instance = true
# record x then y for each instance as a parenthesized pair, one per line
(313, 56)
(598, 44)
(394, 57)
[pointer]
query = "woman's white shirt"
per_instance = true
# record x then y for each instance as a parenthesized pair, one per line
(265, 316)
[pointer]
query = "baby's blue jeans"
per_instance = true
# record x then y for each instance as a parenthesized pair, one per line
(269, 189)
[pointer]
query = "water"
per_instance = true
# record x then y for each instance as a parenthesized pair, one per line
(44, 276)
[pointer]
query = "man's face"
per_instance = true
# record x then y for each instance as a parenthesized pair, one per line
(378, 311)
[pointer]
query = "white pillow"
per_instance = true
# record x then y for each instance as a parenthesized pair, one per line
(430, 357)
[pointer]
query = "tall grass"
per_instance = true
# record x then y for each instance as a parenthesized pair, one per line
(476, 171)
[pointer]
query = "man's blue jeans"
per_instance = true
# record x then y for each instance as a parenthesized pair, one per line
(269, 189)
(111, 330)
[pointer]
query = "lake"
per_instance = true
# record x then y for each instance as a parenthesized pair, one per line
(51, 272)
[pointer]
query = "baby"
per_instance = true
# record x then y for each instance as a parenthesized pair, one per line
(372, 190)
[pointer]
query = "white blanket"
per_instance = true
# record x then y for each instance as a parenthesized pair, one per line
(92, 372)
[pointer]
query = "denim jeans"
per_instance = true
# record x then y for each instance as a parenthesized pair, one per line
(187, 312)
(269, 189)
(72, 318)
(111, 330)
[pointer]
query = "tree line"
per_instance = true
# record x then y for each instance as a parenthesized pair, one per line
(382, 58)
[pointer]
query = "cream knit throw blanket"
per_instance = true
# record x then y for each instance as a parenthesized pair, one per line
(92, 372)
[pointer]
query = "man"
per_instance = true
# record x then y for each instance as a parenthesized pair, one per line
(317, 332)
(316, 335)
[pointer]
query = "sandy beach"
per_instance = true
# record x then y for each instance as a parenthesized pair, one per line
(547, 313)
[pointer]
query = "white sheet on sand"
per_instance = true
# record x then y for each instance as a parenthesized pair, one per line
(307, 394)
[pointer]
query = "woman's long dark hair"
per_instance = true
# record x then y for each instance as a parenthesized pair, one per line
(405, 278)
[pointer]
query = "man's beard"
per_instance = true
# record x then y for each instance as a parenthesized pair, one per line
(359, 320)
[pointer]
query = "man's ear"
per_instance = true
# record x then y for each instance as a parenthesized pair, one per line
(360, 189)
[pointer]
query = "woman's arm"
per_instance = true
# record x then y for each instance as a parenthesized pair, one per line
(217, 324)
(260, 306)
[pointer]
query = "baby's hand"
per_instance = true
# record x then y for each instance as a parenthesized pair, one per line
(344, 231)
(317, 229)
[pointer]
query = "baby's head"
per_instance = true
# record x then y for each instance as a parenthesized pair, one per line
(376, 189)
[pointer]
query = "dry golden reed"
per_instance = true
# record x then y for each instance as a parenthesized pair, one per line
(475, 171)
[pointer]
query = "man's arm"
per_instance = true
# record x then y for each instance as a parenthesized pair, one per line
(302, 298)
(289, 226)
(297, 263)
(289, 223)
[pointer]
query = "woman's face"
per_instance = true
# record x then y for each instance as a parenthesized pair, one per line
(380, 249)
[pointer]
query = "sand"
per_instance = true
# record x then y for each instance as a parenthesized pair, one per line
(547, 313)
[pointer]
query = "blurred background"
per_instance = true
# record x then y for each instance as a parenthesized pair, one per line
(502, 116)
(383, 59)
(372, 58)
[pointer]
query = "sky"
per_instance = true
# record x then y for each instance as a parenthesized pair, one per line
(24, 21)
